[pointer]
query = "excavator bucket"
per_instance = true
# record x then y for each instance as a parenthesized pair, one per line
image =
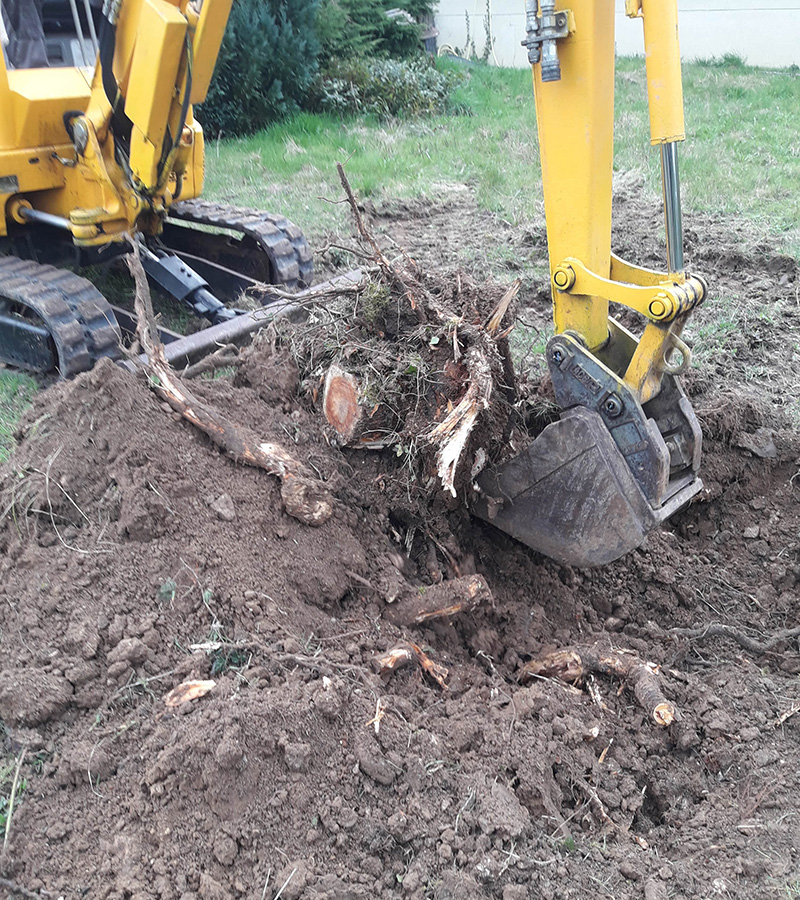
(571, 495)
(591, 486)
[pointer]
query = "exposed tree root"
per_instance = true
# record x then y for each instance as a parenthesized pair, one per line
(440, 601)
(405, 281)
(717, 629)
(575, 663)
(406, 653)
(304, 497)
(452, 434)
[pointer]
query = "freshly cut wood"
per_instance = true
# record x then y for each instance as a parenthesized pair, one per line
(440, 601)
(452, 434)
(188, 691)
(575, 663)
(340, 402)
(356, 425)
(397, 658)
(304, 497)
(405, 653)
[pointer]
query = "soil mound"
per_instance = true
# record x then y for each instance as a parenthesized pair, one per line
(136, 557)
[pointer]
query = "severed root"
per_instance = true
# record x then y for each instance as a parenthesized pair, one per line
(406, 653)
(496, 318)
(453, 432)
(441, 601)
(717, 629)
(340, 402)
(576, 663)
(304, 497)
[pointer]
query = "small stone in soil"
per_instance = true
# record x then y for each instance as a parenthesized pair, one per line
(224, 508)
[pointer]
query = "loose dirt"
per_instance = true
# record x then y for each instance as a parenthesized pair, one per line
(136, 557)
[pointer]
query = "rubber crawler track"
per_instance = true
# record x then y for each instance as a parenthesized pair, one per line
(78, 317)
(284, 243)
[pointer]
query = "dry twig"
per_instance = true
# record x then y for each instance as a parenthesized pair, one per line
(227, 356)
(13, 797)
(407, 284)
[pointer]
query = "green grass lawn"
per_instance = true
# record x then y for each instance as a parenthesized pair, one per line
(16, 392)
(741, 157)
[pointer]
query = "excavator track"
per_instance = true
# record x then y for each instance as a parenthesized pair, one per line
(290, 260)
(52, 319)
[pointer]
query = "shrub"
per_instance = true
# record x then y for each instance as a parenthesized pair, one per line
(350, 28)
(266, 67)
(386, 87)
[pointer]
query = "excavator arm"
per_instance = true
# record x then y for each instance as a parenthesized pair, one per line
(155, 59)
(626, 451)
(136, 146)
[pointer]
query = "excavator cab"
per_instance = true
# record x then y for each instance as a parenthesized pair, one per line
(625, 453)
(99, 146)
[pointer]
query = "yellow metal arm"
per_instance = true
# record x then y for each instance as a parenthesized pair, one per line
(131, 146)
(575, 115)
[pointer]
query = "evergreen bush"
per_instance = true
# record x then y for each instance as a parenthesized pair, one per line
(386, 87)
(266, 67)
(358, 28)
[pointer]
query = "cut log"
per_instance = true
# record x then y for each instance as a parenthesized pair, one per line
(575, 663)
(370, 428)
(340, 402)
(441, 601)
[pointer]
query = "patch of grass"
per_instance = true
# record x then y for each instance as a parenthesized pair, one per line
(742, 154)
(291, 167)
(229, 658)
(742, 151)
(16, 395)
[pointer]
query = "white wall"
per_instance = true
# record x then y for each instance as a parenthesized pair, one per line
(762, 32)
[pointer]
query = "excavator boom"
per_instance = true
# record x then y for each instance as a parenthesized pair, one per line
(626, 451)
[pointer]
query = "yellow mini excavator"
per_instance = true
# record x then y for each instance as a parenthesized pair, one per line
(97, 141)
(625, 452)
(88, 155)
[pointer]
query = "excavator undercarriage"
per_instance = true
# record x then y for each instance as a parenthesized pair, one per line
(206, 271)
